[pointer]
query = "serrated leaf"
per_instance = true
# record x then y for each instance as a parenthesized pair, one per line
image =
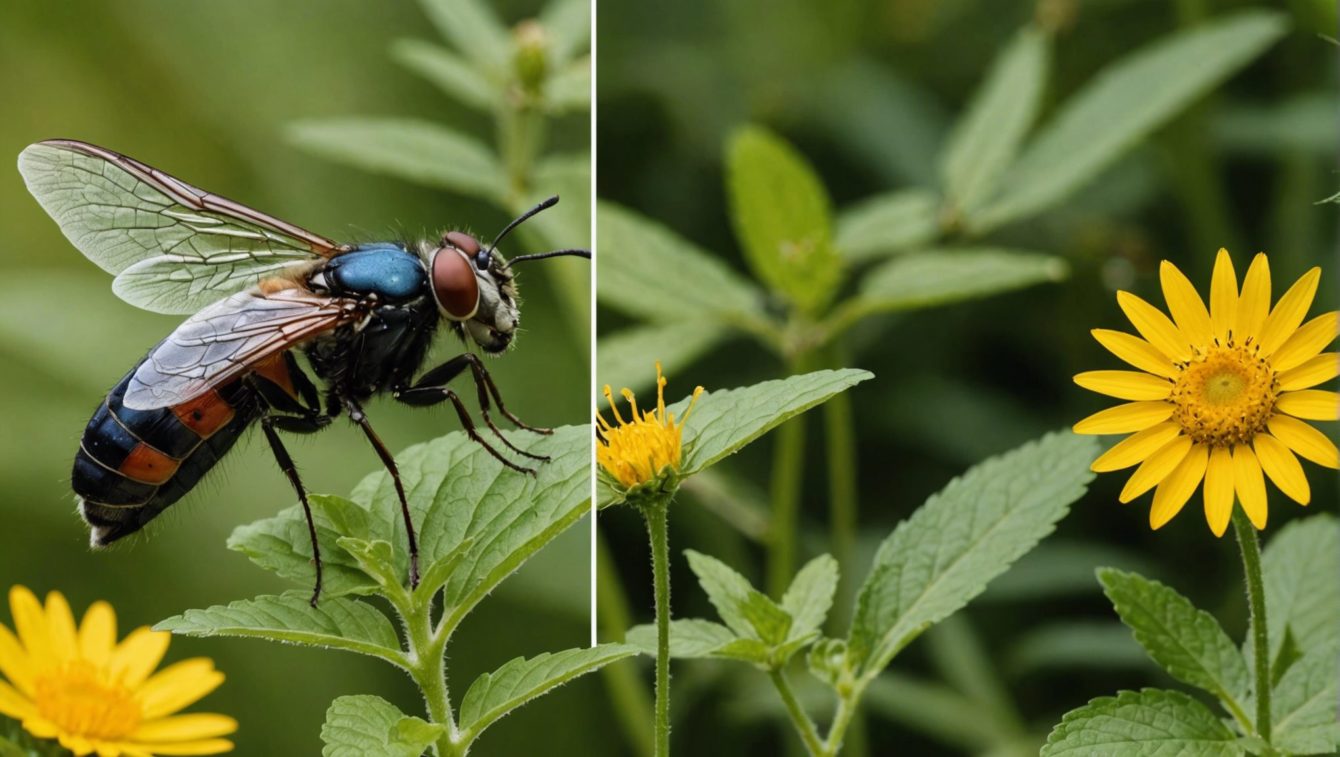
(418, 151)
(282, 544)
(782, 217)
(1123, 104)
(988, 136)
(1145, 723)
(627, 358)
(334, 623)
(369, 726)
(567, 24)
(447, 71)
(495, 694)
(648, 270)
(1303, 708)
(689, 638)
(971, 531)
(473, 28)
(748, 612)
(1189, 643)
(810, 595)
(1300, 564)
(888, 223)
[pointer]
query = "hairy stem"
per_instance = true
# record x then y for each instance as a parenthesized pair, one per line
(658, 530)
(428, 667)
(1256, 600)
(626, 691)
(846, 710)
(805, 727)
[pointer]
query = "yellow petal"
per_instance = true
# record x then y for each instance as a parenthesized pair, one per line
(1136, 351)
(1125, 419)
(1313, 337)
(1223, 296)
(1219, 490)
(1155, 327)
(1254, 304)
(1289, 312)
(1304, 440)
(97, 634)
(1250, 485)
(1282, 467)
(14, 662)
(1177, 488)
(60, 626)
(138, 655)
(1135, 448)
(192, 727)
(1155, 468)
(1188, 309)
(178, 686)
(204, 746)
(1125, 385)
(1312, 404)
(13, 704)
(1318, 370)
(30, 621)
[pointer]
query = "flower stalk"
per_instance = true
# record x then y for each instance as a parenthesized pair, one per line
(656, 513)
(1256, 600)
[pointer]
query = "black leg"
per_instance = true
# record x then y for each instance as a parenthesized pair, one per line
(422, 396)
(357, 416)
(444, 373)
(286, 465)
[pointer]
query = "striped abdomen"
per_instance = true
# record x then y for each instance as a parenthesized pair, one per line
(132, 464)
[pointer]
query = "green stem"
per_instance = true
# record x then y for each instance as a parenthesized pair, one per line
(658, 530)
(788, 469)
(1256, 600)
(626, 691)
(428, 668)
(842, 503)
(804, 726)
(846, 710)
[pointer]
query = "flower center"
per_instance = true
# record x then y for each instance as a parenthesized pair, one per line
(79, 701)
(647, 445)
(1225, 396)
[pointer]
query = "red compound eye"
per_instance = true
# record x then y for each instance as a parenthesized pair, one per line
(454, 284)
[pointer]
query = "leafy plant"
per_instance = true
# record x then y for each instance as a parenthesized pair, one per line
(478, 523)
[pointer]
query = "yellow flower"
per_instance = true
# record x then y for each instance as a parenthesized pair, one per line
(643, 448)
(78, 686)
(1221, 394)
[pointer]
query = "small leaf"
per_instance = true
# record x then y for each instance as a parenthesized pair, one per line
(418, 151)
(289, 618)
(782, 216)
(473, 28)
(1122, 105)
(888, 223)
(625, 358)
(1188, 643)
(495, 694)
(810, 595)
(1303, 710)
(689, 638)
(647, 270)
(567, 25)
(369, 726)
(987, 137)
(1142, 723)
(748, 612)
(1299, 565)
(753, 651)
(282, 544)
(439, 572)
(941, 557)
(447, 71)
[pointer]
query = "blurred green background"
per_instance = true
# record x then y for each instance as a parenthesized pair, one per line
(867, 92)
(205, 91)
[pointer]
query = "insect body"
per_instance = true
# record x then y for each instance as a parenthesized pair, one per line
(259, 290)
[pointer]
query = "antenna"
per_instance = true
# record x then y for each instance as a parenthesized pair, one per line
(482, 260)
(576, 253)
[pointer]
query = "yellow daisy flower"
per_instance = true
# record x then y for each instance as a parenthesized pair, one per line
(1221, 395)
(78, 686)
(648, 445)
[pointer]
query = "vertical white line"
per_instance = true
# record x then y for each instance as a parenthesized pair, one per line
(595, 258)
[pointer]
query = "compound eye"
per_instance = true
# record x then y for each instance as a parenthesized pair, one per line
(463, 242)
(454, 284)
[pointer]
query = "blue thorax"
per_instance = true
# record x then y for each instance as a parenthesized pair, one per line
(386, 269)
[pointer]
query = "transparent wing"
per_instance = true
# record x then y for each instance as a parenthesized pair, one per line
(227, 338)
(172, 247)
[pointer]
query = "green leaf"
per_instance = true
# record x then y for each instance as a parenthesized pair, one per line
(1300, 565)
(627, 358)
(282, 544)
(1141, 724)
(568, 224)
(1303, 710)
(369, 726)
(1188, 643)
(417, 151)
(567, 24)
(473, 29)
(334, 623)
(647, 270)
(439, 572)
(689, 638)
(1122, 105)
(569, 89)
(810, 595)
(495, 694)
(447, 71)
(888, 223)
(748, 612)
(941, 557)
(988, 136)
(782, 217)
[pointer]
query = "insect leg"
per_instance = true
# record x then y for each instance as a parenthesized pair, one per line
(422, 396)
(431, 389)
(291, 471)
(482, 381)
(357, 415)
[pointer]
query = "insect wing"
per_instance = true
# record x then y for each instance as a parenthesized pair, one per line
(173, 248)
(228, 338)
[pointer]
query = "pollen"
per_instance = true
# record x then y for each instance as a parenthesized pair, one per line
(1225, 396)
(648, 445)
(77, 699)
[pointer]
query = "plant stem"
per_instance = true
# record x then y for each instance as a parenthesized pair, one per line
(846, 710)
(788, 470)
(842, 504)
(626, 691)
(428, 668)
(658, 530)
(804, 726)
(1256, 600)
